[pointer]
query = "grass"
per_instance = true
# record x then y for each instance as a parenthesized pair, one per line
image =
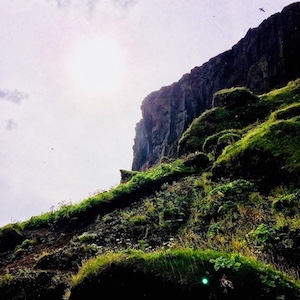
(186, 268)
(139, 184)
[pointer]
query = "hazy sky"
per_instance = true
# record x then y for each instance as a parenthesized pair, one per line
(73, 74)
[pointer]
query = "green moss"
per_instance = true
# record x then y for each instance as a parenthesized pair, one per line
(236, 109)
(234, 97)
(287, 112)
(283, 96)
(209, 123)
(269, 154)
(181, 272)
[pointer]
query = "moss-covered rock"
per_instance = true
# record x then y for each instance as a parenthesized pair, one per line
(277, 98)
(215, 143)
(233, 108)
(287, 112)
(234, 97)
(180, 274)
(268, 154)
(126, 175)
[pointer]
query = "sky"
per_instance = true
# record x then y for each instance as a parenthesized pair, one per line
(73, 75)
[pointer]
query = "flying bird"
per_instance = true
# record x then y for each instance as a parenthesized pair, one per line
(262, 9)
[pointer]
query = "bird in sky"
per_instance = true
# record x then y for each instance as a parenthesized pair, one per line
(262, 9)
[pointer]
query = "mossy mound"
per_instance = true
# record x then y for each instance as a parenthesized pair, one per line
(287, 112)
(215, 143)
(278, 98)
(234, 97)
(180, 273)
(234, 108)
(268, 155)
(44, 285)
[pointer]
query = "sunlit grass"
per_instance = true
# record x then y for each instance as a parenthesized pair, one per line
(189, 267)
(141, 182)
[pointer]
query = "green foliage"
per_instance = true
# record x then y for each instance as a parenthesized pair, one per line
(27, 243)
(86, 237)
(223, 199)
(126, 175)
(288, 204)
(214, 229)
(226, 262)
(138, 219)
(6, 279)
(92, 267)
(262, 234)
(169, 208)
(236, 191)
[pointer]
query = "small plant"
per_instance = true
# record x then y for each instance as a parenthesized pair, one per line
(214, 229)
(150, 207)
(288, 204)
(137, 219)
(261, 235)
(6, 278)
(230, 262)
(143, 244)
(86, 237)
(27, 243)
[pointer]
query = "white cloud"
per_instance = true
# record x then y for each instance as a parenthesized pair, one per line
(14, 96)
(11, 124)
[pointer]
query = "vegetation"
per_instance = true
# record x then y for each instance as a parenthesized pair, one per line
(183, 273)
(219, 221)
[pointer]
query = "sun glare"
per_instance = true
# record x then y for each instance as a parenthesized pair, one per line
(96, 66)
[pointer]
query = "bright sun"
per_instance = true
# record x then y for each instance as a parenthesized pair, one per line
(96, 66)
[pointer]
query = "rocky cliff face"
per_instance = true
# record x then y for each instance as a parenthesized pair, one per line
(267, 57)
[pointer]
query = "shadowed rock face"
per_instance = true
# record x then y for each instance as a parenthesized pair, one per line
(266, 58)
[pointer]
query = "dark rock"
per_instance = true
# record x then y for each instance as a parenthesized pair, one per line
(9, 239)
(266, 58)
(127, 175)
(197, 160)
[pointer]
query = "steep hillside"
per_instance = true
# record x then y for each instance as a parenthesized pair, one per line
(266, 58)
(219, 222)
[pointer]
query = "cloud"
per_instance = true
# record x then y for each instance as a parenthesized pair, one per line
(11, 124)
(124, 4)
(91, 4)
(120, 8)
(62, 3)
(14, 96)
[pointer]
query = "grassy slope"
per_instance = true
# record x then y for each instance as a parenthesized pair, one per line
(202, 215)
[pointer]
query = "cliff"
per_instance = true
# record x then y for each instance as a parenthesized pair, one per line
(266, 58)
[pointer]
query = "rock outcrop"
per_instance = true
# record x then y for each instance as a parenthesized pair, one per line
(266, 58)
